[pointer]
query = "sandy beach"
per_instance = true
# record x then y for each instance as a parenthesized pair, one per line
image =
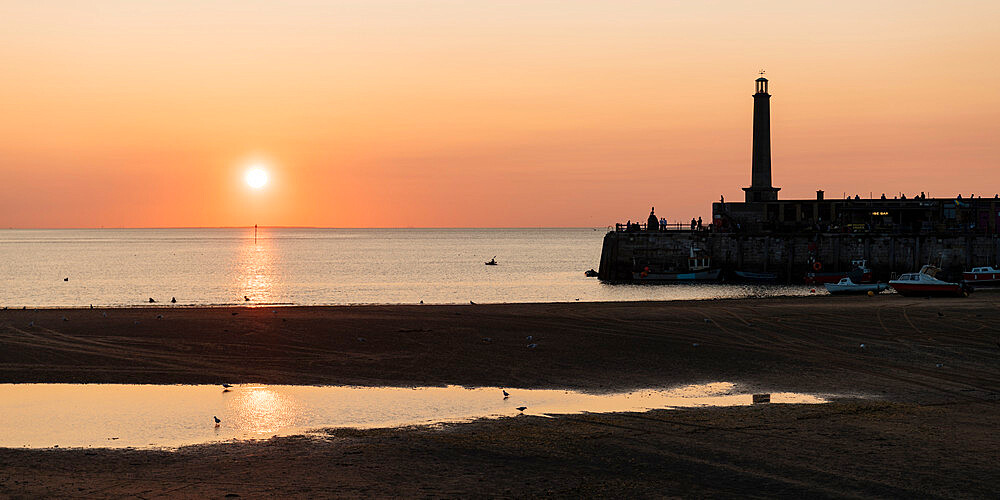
(914, 384)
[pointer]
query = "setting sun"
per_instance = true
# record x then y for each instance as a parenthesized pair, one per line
(256, 177)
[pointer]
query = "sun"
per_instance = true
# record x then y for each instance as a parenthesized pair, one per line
(256, 177)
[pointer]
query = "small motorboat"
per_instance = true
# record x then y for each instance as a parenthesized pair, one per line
(492, 262)
(982, 276)
(846, 286)
(590, 273)
(925, 283)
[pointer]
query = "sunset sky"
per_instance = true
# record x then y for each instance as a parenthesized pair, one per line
(414, 113)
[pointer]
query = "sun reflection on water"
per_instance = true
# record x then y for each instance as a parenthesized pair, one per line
(256, 269)
(261, 411)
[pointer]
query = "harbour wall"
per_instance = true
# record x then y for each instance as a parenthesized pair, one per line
(791, 256)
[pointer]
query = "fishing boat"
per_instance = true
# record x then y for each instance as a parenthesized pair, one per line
(982, 276)
(859, 273)
(699, 269)
(845, 287)
(925, 283)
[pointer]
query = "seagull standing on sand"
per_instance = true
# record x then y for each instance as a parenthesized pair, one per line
(217, 421)
(521, 408)
(505, 394)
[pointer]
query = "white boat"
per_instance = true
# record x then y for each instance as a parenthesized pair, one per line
(925, 283)
(846, 286)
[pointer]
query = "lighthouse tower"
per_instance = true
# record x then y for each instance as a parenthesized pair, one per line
(760, 180)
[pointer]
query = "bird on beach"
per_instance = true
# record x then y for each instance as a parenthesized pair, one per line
(521, 408)
(151, 300)
(217, 421)
(173, 300)
(246, 299)
(471, 302)
(65, 279)
(505, 394)
(532, 346)
(227, 386)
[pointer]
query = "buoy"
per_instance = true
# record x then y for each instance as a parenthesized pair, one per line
(817, 266)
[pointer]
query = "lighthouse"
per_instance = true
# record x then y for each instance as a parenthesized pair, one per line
(760, 179)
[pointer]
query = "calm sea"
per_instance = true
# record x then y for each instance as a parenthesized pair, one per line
(318, 266)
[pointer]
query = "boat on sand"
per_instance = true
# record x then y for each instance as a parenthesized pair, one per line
(845, 287)
(925, 283)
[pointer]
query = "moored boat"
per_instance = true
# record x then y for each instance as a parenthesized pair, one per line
(846, 286)
(982, 276)
(925, 283)
(699, 269)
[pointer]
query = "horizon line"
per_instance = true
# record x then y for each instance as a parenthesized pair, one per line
(297, 227)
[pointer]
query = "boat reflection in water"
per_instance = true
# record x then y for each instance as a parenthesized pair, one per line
(148, 416)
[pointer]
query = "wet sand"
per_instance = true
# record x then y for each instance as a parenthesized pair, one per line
(915, 412)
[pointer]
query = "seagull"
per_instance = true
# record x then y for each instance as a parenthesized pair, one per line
(173, 300)
(505, 394)
(521, 408)
(532, 346)
(471, 302)
(216, 420)
(227, 386)
(65, 279)
(245, 298)
(151, 300)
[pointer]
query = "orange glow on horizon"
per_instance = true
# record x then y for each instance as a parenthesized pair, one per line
(390, 113)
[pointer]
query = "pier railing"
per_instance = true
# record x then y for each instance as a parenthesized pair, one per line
(670, 226)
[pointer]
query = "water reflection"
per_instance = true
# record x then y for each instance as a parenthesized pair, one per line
(97, 415)
(256, 268)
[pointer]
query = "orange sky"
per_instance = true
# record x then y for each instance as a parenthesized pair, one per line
(404, 113)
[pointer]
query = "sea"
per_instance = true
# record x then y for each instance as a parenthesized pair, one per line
(313, 266)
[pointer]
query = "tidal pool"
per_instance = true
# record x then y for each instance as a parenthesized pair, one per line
(167, 416)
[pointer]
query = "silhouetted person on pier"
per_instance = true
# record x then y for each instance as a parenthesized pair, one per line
(883, 196)
(699, 223)
(694, 223)
(652, 223)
